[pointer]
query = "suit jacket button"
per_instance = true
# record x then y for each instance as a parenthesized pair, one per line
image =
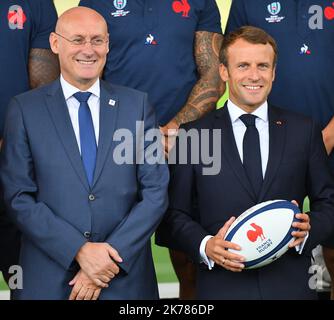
(91, 197)
(87, 234)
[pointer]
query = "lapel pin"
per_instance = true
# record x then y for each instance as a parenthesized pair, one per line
(112, 102)
(279, 122)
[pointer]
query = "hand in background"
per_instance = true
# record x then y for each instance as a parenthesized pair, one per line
(169, 133)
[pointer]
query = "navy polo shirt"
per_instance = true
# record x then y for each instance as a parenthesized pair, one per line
(24, 24)
(305, 71)
(151, 46)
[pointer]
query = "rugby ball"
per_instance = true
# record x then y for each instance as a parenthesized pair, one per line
(263, 232)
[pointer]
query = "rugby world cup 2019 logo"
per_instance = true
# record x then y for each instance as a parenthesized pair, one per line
(274, 8)
(119, 4)
(16, 17)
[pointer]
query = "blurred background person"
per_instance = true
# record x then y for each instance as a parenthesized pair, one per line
(26, 62)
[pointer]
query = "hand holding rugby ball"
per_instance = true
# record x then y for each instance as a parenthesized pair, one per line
(263, 232)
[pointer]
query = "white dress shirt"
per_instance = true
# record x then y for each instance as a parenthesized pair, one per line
(262, 126)
(239, 129)
(73, 107)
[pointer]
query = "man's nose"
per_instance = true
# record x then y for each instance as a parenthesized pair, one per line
(254, 74)
(87, 48)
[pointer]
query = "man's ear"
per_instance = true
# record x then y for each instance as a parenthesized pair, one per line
(53, 39)
(274, 73)
(108, 43)
(223, 71)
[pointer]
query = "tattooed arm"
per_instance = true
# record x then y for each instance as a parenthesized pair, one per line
(208, 88)
(206, 92)
(43, 67)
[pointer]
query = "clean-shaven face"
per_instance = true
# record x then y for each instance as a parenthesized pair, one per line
(80, 65)
(250, 73)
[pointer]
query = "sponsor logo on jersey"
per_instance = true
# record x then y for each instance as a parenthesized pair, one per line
(150, 40)
(304, 49)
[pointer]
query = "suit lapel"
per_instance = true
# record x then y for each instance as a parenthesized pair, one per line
(277, 136)
(59, 113)
(109, 105)
(230, 150)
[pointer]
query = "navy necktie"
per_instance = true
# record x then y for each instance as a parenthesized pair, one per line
(87, 135)
(252, 153)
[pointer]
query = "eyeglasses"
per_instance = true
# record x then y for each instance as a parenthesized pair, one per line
(79, 41)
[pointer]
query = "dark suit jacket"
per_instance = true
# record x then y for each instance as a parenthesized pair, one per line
(297, 167)
(48, 196)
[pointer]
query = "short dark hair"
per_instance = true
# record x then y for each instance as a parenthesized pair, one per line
(250, 34)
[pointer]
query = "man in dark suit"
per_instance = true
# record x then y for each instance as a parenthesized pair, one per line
(265, 153)
(86, 216)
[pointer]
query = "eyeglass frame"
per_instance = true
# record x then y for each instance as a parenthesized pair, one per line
(84, 41)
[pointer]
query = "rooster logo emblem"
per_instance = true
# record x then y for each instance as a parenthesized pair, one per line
(182, 6)
(252, 235)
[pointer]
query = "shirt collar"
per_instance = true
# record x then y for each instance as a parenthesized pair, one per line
(70, 90)
(235, 112)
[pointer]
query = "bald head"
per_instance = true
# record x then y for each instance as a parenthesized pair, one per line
(79, 16)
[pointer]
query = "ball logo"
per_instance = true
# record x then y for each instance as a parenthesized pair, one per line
(119, 4)
(263, 232)
(16, 17)
(182, 6)
(329, 12)
(252, 235)
(274, 8)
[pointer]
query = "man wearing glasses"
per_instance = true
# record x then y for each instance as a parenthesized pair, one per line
(168, 49)
(86, 220)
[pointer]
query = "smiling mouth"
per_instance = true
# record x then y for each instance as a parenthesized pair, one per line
(86, 62)
(253, 88)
